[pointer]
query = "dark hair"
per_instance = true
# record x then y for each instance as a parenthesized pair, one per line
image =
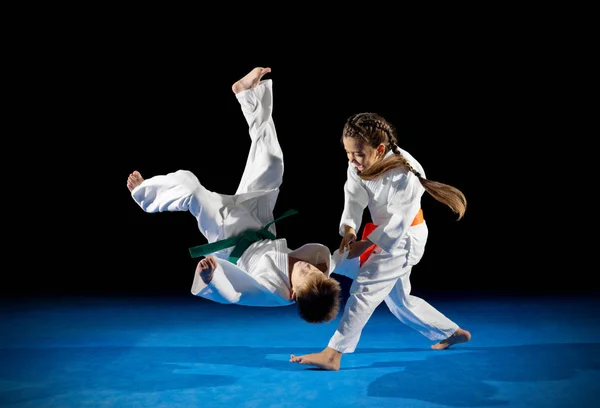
(319, 299)
(372, 129)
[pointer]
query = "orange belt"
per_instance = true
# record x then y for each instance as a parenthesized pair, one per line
(369, 227)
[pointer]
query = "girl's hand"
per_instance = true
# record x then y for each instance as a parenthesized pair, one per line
(349, 238)
(357, 248)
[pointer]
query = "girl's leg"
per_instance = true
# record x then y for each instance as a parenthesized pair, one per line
(416, 312)
(374, 281)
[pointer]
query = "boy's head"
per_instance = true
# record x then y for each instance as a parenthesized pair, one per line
(317, 295)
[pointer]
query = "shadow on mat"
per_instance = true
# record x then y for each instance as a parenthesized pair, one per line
(463, 375)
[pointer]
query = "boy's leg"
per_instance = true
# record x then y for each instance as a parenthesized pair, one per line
(181, 191)
(250, 80)
(134, 180)
(264, 166)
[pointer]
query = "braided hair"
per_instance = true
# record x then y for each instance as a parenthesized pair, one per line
(372, 130)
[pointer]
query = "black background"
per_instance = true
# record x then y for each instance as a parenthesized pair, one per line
(481, 109)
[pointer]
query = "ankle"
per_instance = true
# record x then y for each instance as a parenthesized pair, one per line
(332, 354)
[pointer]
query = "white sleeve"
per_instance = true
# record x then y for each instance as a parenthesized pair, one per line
(231, 285)
(344, 266)
(355, 201)
(404, 205)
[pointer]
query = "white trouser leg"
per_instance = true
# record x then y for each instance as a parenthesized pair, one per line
(264, 165)
(181, 191)
(374, 281)
(416, 313)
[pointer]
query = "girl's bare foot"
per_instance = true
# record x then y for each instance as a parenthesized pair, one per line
(251, 79)
(134, 180)
(459, 336)
(206, 268)
(328, 359)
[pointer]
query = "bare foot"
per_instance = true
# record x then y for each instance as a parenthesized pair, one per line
(206, 268)
(134, 180)
(328, 359)
(459, 336)
(251, 80)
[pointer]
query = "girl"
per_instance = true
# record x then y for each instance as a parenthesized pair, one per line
(390, 182)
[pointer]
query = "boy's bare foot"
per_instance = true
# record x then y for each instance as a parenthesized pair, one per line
(328, 359)
(134, 180)
(251, 79)
(459, 336)
(206, 268)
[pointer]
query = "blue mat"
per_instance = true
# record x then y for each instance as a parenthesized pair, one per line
(183, 351)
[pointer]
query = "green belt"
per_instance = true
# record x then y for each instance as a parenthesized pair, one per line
(241, 242)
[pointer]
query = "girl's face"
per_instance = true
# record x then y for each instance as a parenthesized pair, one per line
(362, 156)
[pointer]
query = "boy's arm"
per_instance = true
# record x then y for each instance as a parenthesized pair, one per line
(231, 285)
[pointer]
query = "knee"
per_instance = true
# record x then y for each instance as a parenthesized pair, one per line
(188, 179)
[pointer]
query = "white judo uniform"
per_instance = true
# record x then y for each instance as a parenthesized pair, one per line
(261, 275)
(393, 200)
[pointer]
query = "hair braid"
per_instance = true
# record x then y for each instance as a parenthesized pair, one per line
(373, 130)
